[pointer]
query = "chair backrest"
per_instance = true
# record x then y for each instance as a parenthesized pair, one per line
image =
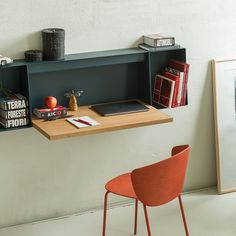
(163, 181)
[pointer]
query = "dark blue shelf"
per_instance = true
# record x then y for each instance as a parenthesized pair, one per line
(90, 59)
(104, 76)
(16, 63)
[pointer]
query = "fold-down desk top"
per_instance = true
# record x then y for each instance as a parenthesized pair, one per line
(59, 129)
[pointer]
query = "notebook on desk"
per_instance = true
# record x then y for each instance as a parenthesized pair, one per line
(119, 108)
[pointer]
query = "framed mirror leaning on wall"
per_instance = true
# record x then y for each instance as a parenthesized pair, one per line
(224, 91)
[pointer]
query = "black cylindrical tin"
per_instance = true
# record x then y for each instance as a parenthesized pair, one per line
(53, 44)
(33, 55)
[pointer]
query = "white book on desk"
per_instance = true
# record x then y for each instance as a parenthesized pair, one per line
(80, 122)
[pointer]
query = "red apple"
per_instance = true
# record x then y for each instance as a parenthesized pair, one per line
(50, 102)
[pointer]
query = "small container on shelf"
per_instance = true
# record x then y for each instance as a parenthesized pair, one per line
(33, 55)
(53, 44)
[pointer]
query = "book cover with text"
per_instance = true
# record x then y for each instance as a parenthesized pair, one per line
(163, 91)
(12, 114)
(13, 102)
(183, 67)
(181, 81)
(50, 113)
(12, 123)
(175, 78)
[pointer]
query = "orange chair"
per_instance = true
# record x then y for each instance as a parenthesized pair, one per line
(152, 185)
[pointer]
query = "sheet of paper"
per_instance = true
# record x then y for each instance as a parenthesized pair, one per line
(78, 124)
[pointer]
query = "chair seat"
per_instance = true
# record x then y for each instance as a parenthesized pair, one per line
(122, 186)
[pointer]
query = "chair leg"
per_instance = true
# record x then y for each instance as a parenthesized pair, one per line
(105, 214)
(136, 216)
(146, 218)
(183, 215)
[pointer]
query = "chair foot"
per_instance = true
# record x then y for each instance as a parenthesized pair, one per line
(136, 217)
(183, 215)
(146, 218)
(105, 214)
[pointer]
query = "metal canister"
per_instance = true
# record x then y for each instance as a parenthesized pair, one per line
(33, 55)
(53, 44)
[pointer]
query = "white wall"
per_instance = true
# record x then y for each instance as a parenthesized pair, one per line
(40, 178)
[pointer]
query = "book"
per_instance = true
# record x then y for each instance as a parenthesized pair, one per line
(183, 67)
(13, 102)
(12, 123)
(50, 113)
(82, 122)
(181, 79)
(159, 40)
(155, 49)
(176, 88)
(12, 114)
(163, 91)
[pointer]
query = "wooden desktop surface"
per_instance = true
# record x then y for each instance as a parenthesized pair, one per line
(59, 129)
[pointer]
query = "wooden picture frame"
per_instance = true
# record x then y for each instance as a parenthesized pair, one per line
(224, 92)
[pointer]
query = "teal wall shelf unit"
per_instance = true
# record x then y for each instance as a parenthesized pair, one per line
(104, 76)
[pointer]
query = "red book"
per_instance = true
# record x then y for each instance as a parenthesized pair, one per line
(163, 91)
(181, 79)
(175, 78)
(50, 113)
(182, 67)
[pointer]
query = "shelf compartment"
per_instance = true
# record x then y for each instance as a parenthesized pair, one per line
(16, 80)
(157, 63)
(100, 84)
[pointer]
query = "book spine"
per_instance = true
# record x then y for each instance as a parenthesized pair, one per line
(184, 90)
(164, 42)
(50, 114)
(14, 122)
(12, 114)
(183, 67)
(169, 99)
(12, 104)
(181, 79)
(161, 42)
(181, 82)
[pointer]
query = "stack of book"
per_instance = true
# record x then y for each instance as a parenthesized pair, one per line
(155, 42)
(48, 113)
(14, 111)
(170, 87)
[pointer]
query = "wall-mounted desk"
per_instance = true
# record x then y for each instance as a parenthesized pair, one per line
(105, 76)
(59, 129)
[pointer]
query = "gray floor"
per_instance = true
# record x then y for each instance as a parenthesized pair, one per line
(208, 214)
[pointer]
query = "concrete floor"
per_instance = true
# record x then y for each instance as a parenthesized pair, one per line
(207, 213)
